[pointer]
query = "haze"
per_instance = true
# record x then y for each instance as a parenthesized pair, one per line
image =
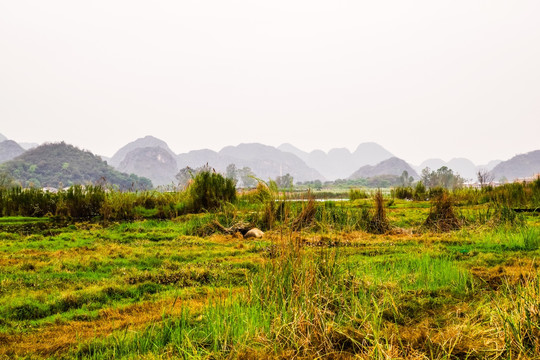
(424, 79)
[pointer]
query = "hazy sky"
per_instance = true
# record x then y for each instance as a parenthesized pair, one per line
(422, 78)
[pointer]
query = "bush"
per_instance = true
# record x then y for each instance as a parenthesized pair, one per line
(441, 215)
(355, 194)
(420, 191)
(376, 221)
(403, 192)
(209, 190)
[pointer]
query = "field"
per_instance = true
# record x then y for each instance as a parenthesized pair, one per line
(367, 278)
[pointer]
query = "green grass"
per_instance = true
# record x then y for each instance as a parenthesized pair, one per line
(156, 289)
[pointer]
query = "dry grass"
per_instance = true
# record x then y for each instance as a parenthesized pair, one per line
(59, 337)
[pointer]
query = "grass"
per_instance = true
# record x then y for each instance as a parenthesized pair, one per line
(336, 287)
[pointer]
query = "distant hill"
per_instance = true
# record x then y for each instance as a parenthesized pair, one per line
(2, 138)
(392, 166)
(154, 163)
(339, 163)
(60, 163)
(9, 149)
(145, 142)
(520, 166)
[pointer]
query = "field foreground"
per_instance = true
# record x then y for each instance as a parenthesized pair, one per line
(160, 289)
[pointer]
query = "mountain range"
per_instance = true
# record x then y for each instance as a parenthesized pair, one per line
(340, 163)
(152, 158)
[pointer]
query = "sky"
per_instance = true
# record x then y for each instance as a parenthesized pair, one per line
(424, 79)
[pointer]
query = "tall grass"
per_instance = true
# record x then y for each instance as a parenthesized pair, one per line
(441, 214)
(518, 311)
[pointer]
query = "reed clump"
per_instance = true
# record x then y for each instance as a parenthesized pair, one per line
(442, 217)
(306, 217)
(376, 221)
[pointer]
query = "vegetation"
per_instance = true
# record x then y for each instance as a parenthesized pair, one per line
(374, 277)
(442, 178)
(59, 165)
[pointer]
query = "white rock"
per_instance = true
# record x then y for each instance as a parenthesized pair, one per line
(254, 233)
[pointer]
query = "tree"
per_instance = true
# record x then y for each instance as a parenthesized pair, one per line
(6, 180)
(426, 177)
(247, 177)
(443, 177)
(185, 175)
(231, 172)
(484, 177)
(405, 179)
(285, 181)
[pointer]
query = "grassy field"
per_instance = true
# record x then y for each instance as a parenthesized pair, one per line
(321, 283)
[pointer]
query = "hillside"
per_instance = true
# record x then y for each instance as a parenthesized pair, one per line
(520, 166)
(9, 149)
(60, 164)
(3, 138)
(154, 163)
(145, 142)
(392, 166)
(339, 163)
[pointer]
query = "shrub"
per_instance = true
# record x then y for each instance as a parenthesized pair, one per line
(376, 221)
(403, 192)
(441, 215)
(420, 191)
(209, 190)
(355, 194)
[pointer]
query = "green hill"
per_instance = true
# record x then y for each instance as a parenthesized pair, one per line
(60, 164)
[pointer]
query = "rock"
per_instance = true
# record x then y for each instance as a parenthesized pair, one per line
(254, 233)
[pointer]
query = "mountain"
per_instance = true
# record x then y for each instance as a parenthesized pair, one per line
(154, 163)
(269, 162)
(266, 162)
(520, 166)
(392, 166)
(145, 142)
(490, 165)
(197, 158)
(462, 166)
(9, 149)
(3, 138)
(62, 164)
(339, 163)
(294, 150)
(433, 164)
